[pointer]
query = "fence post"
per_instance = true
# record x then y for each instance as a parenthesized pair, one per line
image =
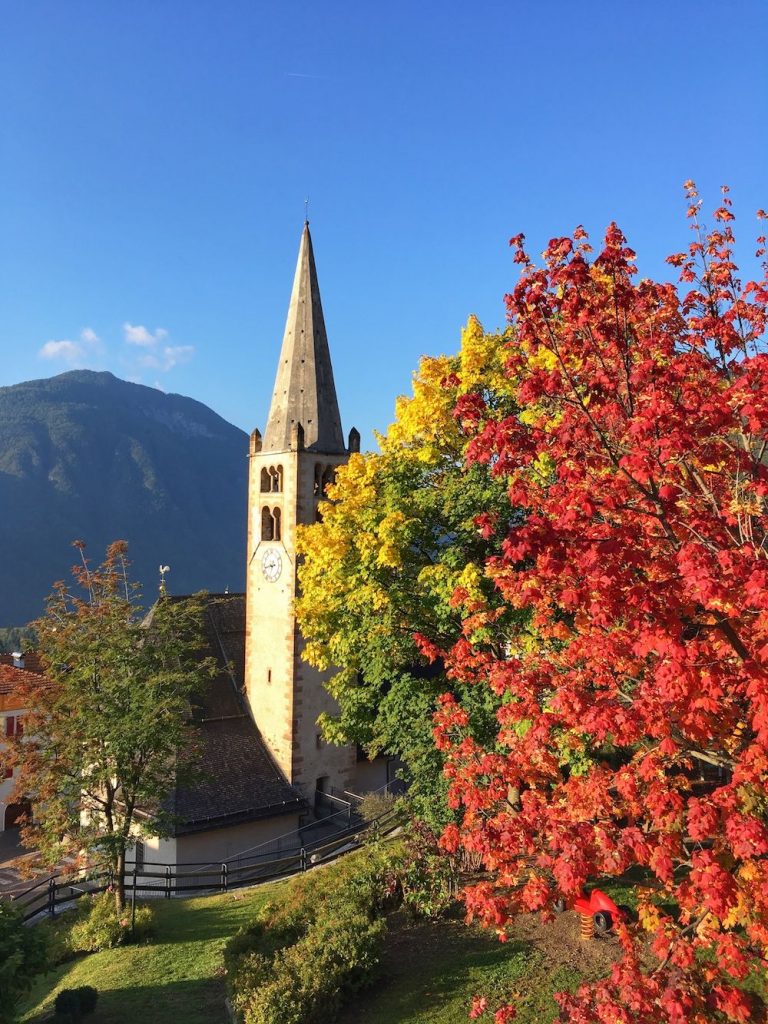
(51, 895)
(224, 875)
(303, 859)
(133, 903)
(167, 881)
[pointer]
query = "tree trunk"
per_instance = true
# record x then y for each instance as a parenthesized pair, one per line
(120, 880)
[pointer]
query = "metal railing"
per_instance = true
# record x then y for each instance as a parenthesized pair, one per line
(49, 893)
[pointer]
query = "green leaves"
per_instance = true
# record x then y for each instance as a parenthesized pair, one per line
(109, 737)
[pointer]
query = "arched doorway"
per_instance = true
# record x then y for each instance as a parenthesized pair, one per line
(14, 812)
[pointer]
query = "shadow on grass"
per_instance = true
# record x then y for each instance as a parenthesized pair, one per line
(190, 1002)
(431, 973)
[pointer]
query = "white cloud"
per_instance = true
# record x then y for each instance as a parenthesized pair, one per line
(89, 336)
(67, 350)
(175, 354)
(168, 357)
(137, 334)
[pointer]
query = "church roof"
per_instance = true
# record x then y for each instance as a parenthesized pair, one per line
(304, 389)
(240, 780)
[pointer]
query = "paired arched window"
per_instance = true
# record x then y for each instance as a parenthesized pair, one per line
(272, 480)
(324, 477)
(271, 526)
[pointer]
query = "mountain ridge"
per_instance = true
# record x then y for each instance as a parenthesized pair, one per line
(86, 455)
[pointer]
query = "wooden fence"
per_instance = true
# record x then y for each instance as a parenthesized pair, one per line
(166, 881)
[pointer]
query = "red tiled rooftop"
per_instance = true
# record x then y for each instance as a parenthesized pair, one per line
(32, 661)
(11, 678)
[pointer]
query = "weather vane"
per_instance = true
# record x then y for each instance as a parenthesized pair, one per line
(306, 211)
(163, 570)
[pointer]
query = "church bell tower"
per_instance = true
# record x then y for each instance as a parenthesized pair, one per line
(290, 468)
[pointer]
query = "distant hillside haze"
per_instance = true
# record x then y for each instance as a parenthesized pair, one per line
(85, 456)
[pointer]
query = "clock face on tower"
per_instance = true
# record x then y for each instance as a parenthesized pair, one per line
(271, 565)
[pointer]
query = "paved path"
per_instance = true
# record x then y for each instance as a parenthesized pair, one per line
(10, 850)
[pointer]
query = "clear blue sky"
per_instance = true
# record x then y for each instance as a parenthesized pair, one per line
(155, 156)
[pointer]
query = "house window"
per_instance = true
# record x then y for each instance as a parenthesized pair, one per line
(8, 774)
(10, 725)
(138, 856)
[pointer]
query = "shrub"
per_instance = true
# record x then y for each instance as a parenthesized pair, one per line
(98, 925)
(373, 805)
(429, 877)
(22, 954)
(67, 1004)
(311, 979)
(304, 955)
(73, 1003)
(88, 998)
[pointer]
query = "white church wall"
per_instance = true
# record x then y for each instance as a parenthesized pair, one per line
(370, 775)
(224, 843)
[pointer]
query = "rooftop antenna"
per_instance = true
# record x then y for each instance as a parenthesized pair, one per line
(163, 570)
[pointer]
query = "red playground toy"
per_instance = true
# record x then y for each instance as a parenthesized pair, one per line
(597, 911)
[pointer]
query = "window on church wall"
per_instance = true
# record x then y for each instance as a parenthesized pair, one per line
(317, 489)
(266, 482)
(329, 477)
(277, 479)
(276, 529)
(267, 525)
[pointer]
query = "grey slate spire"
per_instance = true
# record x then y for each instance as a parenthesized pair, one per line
(304, 390)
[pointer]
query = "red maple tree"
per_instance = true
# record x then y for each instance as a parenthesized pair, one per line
(639, 457)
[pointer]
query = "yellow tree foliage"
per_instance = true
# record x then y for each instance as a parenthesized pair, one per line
(398, 536)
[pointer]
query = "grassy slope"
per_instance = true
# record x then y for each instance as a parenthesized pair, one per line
(172, 979)
(431, 971)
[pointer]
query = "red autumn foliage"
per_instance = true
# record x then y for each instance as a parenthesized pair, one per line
(640, 459)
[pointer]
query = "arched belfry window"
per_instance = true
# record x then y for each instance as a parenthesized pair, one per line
(267, 524)
(317, 489)
(272, 480)
(329, 475)
(271, 524)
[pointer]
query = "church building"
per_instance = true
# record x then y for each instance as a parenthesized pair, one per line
(268, 770)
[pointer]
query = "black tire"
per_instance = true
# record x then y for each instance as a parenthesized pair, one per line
(603, 920)
(559, 906)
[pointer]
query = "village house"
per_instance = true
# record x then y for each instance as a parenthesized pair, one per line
(16, 672)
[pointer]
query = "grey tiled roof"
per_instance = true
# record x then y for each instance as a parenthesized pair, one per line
(241, 782)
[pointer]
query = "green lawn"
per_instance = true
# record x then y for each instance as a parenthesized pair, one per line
(172, 979)
(431, 971)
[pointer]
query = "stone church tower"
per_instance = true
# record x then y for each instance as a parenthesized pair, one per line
(290, 468)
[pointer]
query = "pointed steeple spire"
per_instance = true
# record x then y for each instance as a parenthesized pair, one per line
(304, 390)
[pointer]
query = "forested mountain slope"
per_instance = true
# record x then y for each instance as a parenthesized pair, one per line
(87, 456)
